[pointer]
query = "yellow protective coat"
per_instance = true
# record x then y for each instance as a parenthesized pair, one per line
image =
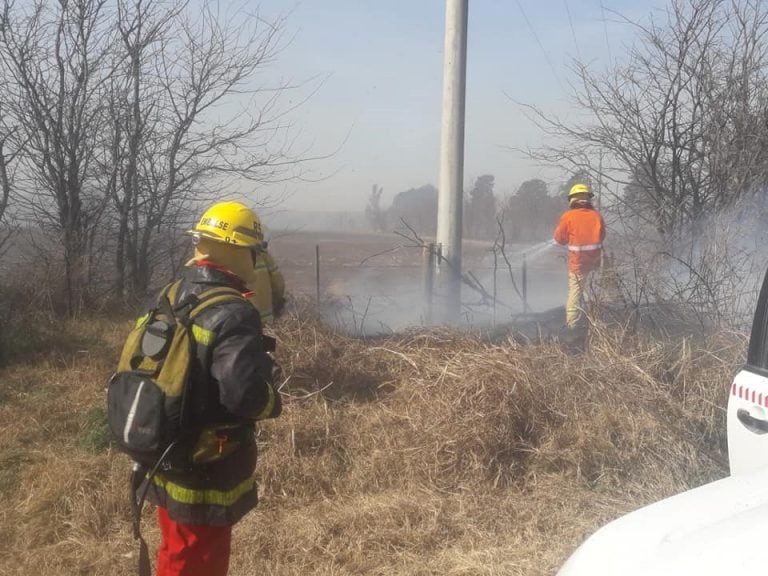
(268, 286)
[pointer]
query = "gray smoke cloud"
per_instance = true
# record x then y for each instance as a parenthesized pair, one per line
(381, 300)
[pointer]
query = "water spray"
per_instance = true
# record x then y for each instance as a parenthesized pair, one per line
(537, 249)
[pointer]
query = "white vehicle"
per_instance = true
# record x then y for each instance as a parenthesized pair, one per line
(717, 529)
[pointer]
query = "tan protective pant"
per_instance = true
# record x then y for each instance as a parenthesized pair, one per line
(579, 290)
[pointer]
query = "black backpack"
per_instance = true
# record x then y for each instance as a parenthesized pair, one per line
(147, 395)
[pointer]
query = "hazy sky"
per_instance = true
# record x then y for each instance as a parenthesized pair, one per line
(378, 107)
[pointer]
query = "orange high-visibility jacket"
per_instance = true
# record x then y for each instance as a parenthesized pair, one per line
(582, 230)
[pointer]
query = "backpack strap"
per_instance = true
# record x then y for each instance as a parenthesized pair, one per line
(206, 300)
(213, 296)
(193, 304)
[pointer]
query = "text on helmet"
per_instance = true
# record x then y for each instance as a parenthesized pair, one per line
(214, 223)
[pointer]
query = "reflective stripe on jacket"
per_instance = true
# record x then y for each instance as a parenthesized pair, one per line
(230, 388)
(582, 230)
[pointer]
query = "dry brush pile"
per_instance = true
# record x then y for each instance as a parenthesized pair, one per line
(427, 453)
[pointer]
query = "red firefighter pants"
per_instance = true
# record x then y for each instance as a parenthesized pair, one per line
(192, 549)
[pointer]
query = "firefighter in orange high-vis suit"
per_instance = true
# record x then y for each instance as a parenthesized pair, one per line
(231, 388)
(582, 230)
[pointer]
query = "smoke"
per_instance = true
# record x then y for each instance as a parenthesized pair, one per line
(375, 300)
(712, 268)
(387, 299)
(710, 273)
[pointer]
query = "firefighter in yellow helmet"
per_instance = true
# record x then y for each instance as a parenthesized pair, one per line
(232, 223)
(582, 230)
(229, 234)
(231, 387)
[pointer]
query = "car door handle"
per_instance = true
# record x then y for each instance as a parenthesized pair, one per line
(753, 424)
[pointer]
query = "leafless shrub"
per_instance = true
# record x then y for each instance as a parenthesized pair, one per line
(713, 273)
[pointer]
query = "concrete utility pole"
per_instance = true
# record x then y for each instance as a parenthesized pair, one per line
(450, 200)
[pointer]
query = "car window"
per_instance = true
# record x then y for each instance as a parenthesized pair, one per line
(757, 356)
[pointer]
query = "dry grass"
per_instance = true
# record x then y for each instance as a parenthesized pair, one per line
(428, 453)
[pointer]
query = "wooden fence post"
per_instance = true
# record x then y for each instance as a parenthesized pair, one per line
(428, 262)
(317, 273)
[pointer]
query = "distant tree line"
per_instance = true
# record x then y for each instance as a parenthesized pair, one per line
(529, 215)
(116, 118)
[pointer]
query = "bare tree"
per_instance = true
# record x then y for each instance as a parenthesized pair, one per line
(374, 213)
(142, 26)
(189, 118)
(55, 57)
(118, 117)
(9, 153)
(682, 118)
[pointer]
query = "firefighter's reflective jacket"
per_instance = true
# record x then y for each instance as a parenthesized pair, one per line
(230, 388)
(268, 286)
(582, 230)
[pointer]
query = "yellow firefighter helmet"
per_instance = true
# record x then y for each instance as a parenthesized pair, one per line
(578, 189)
(231, 223)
